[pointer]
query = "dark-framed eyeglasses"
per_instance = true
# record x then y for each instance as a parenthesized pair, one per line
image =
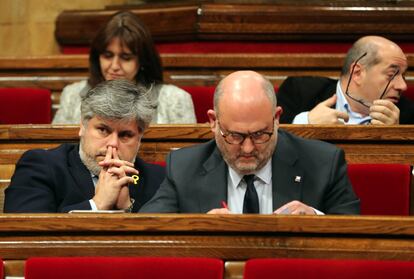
(362, 101)
(258, 137)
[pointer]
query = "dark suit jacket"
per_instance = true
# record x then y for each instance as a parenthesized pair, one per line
(299, 94)
(196, 180)
(56, 180)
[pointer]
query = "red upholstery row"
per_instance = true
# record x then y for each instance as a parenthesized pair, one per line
(117, 267)
(327, 269)
(208, 268)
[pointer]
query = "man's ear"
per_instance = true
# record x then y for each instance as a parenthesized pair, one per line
(212, 119)
(81, 129)
(359, 74)
(278, 113)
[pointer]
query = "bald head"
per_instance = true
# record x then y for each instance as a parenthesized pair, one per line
(374, 47)
(244, 89)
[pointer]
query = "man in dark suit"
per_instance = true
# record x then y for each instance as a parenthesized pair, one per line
(251, 166)
(368, 91)
(103, 171)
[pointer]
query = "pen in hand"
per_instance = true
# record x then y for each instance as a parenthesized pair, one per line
(224, 205)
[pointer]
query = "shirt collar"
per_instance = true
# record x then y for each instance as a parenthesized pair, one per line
(264, 174)
(343, 105)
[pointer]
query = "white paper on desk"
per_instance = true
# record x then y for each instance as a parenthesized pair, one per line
(96, 211)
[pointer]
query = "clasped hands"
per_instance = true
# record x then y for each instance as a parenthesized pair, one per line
(112, 188)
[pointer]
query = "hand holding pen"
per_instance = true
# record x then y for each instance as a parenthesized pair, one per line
(223, 210)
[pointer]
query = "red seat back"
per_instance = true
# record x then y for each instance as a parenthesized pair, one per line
(25, 106)
(202, 99)
(384, 189)
(327, 269)
(117, 267)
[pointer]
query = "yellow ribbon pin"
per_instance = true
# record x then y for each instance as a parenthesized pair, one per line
(135, 178)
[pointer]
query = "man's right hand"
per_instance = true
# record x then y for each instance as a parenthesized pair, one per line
(112, 179)
(323, 113)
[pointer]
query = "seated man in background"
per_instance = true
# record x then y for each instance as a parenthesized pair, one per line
(368, 91)
(251, 166)
(100, 172)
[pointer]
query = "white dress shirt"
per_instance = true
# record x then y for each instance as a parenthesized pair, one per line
(236, 188)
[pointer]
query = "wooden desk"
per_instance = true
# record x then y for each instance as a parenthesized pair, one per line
(231, 238)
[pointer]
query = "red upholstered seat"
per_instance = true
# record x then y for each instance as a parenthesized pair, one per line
(327, 269)
(384, 189)
(202, 99)
(25, 106)
(117, 267)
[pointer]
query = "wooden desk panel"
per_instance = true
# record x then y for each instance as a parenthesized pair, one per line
(234, 237)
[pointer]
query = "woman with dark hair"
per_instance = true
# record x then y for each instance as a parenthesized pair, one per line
(123, 49)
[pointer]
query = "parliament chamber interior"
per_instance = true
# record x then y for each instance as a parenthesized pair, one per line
(199, 43)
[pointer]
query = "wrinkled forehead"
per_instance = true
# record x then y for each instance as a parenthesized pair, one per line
(393, 58)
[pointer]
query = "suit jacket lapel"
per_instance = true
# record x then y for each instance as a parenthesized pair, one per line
(287, 178)
(212, 189)
(80, 174)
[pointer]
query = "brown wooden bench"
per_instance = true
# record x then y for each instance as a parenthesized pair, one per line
(258, 21)
(233, 238)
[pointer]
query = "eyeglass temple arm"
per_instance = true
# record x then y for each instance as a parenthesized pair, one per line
(391, 79)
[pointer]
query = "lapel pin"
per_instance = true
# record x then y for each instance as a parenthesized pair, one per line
(298, 179)
(135, 178)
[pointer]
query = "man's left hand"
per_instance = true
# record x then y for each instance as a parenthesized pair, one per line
(295, 208)
(384, 112)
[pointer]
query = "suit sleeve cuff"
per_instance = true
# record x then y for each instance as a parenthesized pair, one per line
(93, 205)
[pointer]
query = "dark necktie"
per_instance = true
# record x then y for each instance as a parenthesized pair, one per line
(251, 200)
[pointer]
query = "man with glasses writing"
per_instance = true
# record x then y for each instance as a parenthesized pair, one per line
(368, 91)
(251, 166)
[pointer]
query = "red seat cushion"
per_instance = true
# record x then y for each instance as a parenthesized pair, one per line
(118, 267)
(327, 269)
(25, 106)
(384, 189)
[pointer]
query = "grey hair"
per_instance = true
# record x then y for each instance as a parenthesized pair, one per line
(267, 86)
(356, 51)
(119, 100)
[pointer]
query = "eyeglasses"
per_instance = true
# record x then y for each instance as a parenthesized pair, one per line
(361, 101)
(238, 138)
